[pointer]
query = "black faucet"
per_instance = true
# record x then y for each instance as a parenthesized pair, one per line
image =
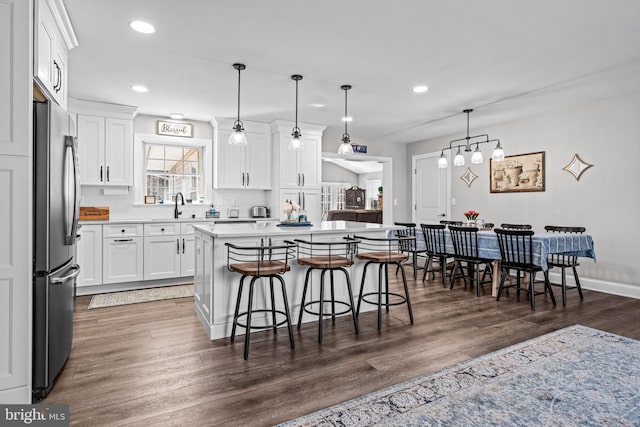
(176, 212)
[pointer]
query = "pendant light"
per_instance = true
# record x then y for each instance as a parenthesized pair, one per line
(476, 157)
(296, 143)
(238, 137)
(345, 147)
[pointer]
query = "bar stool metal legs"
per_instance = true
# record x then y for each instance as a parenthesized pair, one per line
(250, 311)
(383, 280)
(305, 306)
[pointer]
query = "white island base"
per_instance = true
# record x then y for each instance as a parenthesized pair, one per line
(216, 288)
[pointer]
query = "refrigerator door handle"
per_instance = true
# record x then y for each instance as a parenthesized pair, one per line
(71, 224)
(60, 280)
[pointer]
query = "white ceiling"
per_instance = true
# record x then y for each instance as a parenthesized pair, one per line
(504, 58)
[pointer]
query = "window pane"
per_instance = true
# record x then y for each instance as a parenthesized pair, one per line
(171, 169)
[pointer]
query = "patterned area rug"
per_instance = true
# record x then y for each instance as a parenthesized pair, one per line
(576, 376)
(140, 295)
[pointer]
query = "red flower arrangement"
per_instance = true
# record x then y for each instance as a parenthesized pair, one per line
(471, 215)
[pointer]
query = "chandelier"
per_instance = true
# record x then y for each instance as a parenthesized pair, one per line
(469, 141)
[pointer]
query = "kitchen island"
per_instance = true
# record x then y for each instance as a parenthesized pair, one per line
(216, 287)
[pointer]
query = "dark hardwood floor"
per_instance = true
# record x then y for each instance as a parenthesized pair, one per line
(152, 363)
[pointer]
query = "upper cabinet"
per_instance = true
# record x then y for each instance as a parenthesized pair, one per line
(53, 39)
(105, 143)
(238, 167)
(297, 169)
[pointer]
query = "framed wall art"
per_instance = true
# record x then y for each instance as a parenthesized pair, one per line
(517, 174)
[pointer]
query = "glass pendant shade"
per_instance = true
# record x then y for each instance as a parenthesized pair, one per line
(238, 137)
(476, 157)
(296, 143)
(345, 147)
(498, 153)
(443, 163)
(458, 160)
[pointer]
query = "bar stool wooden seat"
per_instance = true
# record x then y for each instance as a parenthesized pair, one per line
(383, 251)
(327, 257)
(264, 261)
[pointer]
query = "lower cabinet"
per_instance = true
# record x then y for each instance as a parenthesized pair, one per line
(188, 256)
(89, 255)
(162, 255)
(122, 259)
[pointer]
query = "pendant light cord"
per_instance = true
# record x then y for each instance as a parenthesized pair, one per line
(296, 104)
(238, 94)
(345, 112)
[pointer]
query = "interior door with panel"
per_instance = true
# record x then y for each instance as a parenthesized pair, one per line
(430, 189)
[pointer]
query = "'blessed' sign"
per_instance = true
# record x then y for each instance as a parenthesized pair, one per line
(175, 129)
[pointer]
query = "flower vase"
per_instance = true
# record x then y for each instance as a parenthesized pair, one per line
(289, 217)
(471, 223)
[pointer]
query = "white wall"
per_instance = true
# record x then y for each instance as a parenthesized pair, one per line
(605, 200)
(334, 173)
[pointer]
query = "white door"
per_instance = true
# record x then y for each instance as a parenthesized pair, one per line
(430, 189)
(122, 260)
(118, 151)
(162, 257)
(91, 150)
(188, 255)
(90, 255)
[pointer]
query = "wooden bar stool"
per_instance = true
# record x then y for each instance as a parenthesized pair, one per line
(268, 261)
(383, 251)
(327, 257)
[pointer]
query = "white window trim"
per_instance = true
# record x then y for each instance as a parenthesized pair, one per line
(139, 172)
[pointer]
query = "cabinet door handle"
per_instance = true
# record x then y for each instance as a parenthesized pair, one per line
(247, 179)
(123, 240)
(101, 167)
(182, 245)
(162, 229)
(243, 179)
(178, 246)
(298, 180)
(303, 180)
(55, 86)
(122, 230)
(304, 202)
(59, 78)
(108, 174)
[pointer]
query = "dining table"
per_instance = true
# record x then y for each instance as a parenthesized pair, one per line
(543, 245)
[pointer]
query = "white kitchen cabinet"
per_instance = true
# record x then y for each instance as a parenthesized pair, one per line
(89, 255)
(187, 258)
(242, 167)
(162, 257)
(304, 167)
(53, 38)
(122, 259)
(16, 184)
(203, 275)
(105, 147)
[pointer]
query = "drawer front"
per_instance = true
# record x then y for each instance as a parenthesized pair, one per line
(162, 229)
(186, 228)
(121, 230)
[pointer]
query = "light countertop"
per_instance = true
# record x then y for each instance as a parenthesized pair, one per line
(271, 228)
(179, 220)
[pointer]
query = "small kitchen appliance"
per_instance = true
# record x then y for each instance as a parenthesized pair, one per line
(259, 212)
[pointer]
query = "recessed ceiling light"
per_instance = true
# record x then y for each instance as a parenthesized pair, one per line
(347, 119)
(139, 88)
(176, 116)
(142, 27)
(317, 105)
(420, 89)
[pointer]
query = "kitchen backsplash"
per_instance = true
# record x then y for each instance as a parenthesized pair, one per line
(121, 206)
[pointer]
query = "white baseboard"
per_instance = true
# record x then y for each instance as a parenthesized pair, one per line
(129, 286)
(16, 396)
(613, 288)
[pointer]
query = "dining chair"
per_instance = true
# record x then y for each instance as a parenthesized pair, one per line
(465, 246)
(332, 256)
(435, 242)
(563, 261)
(410, 247)
(515, 226)
(516, 251)
(269, 261)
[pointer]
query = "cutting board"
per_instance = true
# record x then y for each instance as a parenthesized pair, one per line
(94, 213)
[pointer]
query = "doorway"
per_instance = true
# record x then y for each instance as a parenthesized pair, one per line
(431, 187)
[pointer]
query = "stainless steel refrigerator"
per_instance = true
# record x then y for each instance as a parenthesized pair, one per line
(56, 204)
